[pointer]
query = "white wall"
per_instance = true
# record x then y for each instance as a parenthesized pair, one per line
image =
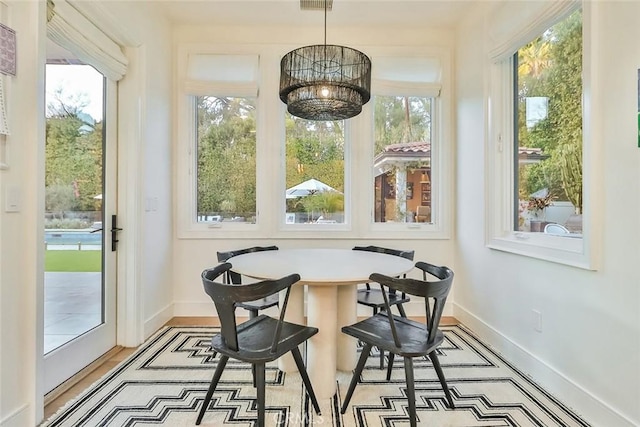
(589, 343)
(20, 307)
(145, 162)
(191, 256)
(588, 352)
(147, 131)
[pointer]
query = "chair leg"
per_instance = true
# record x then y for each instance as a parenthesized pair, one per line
(411, 392)
(356, 375)
(259, 368)
(253, 314)
(390, 366)
(443, 382)
(212, 387)
(305, 378)
(375, 311)
(401, 310)
(253, 375)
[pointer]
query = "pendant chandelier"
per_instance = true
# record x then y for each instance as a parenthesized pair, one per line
(325, 82)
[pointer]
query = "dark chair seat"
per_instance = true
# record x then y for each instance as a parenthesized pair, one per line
(410, 333)
(259, 340)
(405, 337)
(256, 336)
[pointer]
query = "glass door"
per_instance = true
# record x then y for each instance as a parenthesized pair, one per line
(80, 171)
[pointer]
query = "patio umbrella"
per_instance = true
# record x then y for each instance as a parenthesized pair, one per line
(307, 188)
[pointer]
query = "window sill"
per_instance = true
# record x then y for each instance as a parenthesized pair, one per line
(229, 230)
(567, 250)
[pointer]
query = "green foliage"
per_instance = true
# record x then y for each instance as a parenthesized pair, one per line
(571, 170)
(551, 66)
(314, 149)
(73, 159)
(59, 198)
(399, 119)
(73, 261)
(326, 202)
(226, 179)
(66, 223)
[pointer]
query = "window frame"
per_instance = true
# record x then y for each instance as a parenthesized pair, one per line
(270, 152)
(314, 229)
(500, 146)
(442, 142)
(436, 223)
(188, 225)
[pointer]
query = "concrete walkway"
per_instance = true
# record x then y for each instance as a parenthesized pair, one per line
(72, 306)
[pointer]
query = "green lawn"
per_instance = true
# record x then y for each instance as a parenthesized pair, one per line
(72, 260)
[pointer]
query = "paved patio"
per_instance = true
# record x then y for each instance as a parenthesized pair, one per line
(72, 306)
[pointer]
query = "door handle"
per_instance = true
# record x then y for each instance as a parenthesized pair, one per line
(114, 230)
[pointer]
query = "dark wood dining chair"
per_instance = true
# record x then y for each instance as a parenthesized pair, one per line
(259, 340)
(234, 278)
(372, 297)
(402, 336)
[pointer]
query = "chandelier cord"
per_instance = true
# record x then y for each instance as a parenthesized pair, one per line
(325, 22)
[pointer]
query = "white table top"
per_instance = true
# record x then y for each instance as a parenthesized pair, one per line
(320, 266)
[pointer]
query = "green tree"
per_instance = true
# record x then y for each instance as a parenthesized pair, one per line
(73, 153)
(314, 149)
(551, 66)
(324, 203)
(400, 119)
(58, 199)
(226, 179)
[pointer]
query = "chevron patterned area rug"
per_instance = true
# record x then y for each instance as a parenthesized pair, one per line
(164, 383)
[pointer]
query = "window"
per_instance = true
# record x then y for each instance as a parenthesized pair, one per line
(314, 171)
(402, 158)
(226, 159)
(219, 128)
(245, 168)
(409, 144)
(548, 129)
(536, 138)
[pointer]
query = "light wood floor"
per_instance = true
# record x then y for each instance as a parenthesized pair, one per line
(73, 387)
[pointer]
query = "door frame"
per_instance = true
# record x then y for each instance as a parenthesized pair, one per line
(66, 361)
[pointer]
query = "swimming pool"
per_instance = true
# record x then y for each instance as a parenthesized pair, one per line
(72, 237)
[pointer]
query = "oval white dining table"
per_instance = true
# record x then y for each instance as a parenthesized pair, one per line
(331, 276)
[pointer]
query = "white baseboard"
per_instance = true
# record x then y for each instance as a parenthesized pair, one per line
(156, 321)
(17, 418)
(206, 308)
(589, 406)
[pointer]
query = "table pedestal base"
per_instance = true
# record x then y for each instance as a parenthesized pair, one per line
(329, 308)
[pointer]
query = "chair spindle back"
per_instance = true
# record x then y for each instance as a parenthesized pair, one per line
(437, 291)
(225, 296)
(232, 276)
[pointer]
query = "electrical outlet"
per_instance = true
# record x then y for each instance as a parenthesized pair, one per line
(537, 320)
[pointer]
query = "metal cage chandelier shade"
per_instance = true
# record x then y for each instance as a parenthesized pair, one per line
(325, 82)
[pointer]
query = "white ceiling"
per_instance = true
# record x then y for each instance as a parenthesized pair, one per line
(440, 13)
(409, 13)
